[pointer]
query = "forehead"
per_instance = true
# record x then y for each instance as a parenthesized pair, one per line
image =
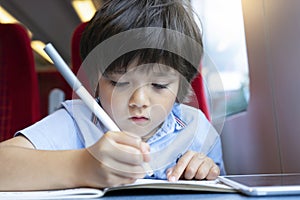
(153, 69)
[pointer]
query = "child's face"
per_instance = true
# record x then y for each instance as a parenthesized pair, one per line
(140, 99)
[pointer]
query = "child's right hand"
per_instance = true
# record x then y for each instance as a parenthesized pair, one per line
(118, 158)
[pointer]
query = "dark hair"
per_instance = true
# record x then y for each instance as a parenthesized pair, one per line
(117, 16)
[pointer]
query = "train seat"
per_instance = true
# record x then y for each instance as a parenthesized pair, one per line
(19, 92)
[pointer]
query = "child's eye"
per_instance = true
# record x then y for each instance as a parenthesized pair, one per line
(118, 84)
(159, 86)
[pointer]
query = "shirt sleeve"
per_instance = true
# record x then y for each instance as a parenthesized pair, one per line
(216, 154)
(57, 131)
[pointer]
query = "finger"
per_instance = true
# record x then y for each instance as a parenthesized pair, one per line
(125, 138)
(131, 140)
(204, 168)
(193, 166)
(143, 146)
(145, 149)
(126, 180)
(169, 171)
(127, 154)
(180, 166)
(107, 149)
(113, 179)
(124, 170)
(214, 172)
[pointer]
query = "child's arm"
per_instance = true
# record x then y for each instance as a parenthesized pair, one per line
(24, 168)
(193, 165)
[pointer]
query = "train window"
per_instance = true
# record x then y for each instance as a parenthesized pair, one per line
(225, 64)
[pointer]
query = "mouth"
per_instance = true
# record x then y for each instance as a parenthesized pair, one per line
(139, 119)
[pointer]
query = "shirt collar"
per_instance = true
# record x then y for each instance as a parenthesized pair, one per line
(172, 124)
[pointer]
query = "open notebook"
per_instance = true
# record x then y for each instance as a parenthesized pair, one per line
(84, 193)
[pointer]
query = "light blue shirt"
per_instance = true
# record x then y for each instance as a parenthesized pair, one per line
(71, 127)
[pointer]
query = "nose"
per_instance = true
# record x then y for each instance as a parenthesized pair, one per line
(139, 98)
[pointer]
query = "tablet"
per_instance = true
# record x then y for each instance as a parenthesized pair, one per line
(264, 184)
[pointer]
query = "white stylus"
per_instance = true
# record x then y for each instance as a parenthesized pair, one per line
(78, 88)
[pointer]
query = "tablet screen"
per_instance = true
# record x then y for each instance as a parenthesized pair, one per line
(267, 180)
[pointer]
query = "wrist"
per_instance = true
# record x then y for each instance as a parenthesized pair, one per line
(85, 169)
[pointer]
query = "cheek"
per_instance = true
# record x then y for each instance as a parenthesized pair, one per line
(170, 99)
(105, 95)
(169, 102)
(105, 101)
(111, 102)
(163, 106)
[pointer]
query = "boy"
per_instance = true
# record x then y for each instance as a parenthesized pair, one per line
(141, 91)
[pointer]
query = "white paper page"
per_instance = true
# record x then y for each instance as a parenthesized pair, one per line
(79, 193)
